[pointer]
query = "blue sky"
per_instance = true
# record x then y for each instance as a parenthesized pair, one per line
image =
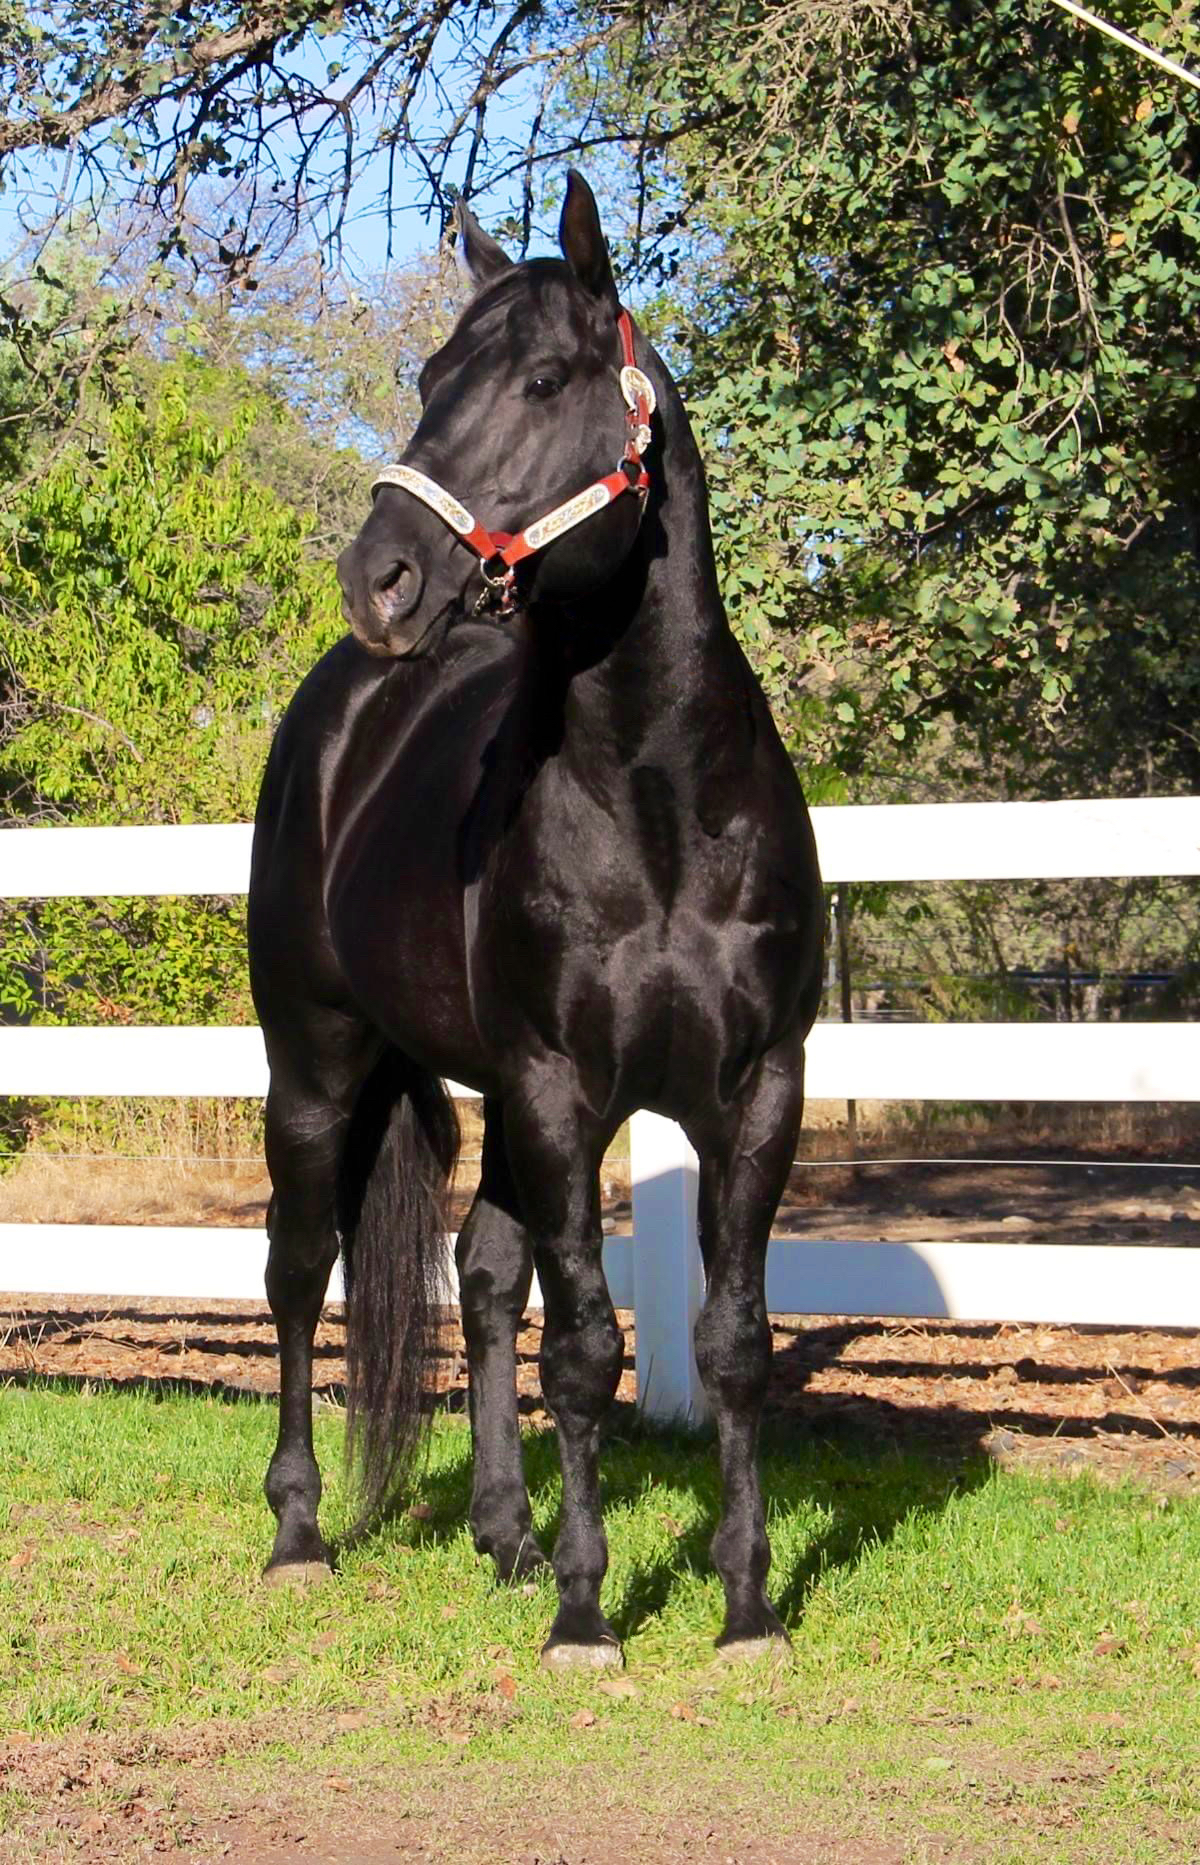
(33, 185)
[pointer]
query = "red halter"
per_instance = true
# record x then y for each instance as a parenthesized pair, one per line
(500, 547)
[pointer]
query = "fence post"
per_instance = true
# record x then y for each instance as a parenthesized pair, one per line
(668, 1280)
(841, 920)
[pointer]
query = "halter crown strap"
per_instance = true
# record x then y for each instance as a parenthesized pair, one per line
(498, 547)
(638, 390)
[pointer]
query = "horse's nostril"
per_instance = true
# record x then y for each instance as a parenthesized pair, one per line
(396, 589)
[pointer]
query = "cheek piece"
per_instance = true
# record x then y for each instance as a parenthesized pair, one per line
(500, 552)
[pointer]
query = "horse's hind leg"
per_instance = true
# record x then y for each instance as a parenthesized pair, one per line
(742, 1177)
(495, 1265)
(317, 1069)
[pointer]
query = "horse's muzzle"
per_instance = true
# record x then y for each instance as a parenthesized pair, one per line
(381, 594)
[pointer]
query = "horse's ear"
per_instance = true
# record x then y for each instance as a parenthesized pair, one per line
(483, 257)
(582, 239)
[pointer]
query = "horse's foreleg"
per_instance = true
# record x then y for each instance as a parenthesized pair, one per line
(556, 1165)
(311, 1099)
(495, 1266)
(742, 1178)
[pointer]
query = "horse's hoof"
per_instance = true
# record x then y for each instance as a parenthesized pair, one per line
(754, 1650)
(566, 1656)
(298, 1574)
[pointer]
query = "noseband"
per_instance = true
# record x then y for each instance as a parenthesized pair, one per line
(500, 552)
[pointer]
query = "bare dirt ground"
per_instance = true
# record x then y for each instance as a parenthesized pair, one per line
(1116, 1401)
(165, 1795)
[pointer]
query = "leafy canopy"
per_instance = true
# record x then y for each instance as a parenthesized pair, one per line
(157, 609)
(941, 345)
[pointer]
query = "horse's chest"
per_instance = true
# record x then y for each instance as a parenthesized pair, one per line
(638, 953)
(645, 888)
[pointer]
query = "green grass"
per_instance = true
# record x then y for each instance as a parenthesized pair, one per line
(947, 1620)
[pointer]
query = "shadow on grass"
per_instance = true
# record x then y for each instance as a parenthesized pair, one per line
(146, 1385)
(863, 1491)
(866, 1464)
(445, 1493)
(863, 1485)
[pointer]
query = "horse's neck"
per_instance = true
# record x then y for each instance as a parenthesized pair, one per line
(669, 682)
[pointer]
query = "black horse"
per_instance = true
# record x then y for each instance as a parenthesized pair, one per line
(533, 831)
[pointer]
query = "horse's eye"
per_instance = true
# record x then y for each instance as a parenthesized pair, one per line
(543, 388)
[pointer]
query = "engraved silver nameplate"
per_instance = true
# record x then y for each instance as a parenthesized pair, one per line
(564, 517)
(429, 492)
(635, 385)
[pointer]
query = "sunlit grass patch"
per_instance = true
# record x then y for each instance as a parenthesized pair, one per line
(967, 1642)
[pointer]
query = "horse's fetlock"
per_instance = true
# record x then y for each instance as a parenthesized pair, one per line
(292, 1479)
(497, 1518)
(580, 1564)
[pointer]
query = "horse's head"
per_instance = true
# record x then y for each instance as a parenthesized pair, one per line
(531, 403)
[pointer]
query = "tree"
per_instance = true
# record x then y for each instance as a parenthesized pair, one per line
(932, 279)
(157, 608)
(166, 563)
(931, 275)
(333, 362)
(290, 100)
(942, 354)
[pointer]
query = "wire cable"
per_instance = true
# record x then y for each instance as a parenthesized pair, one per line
(1135, 45)
(1090, 1165)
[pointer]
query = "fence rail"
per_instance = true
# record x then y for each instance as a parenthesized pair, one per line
(863, 1061)
(656, 1270)
(1071, 840)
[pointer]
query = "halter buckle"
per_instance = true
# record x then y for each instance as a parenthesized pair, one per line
(637, 388)
(498, 590)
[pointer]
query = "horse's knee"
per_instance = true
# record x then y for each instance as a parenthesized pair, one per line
(581, 1367)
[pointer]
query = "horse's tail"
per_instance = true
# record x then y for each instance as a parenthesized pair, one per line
(393, 1209)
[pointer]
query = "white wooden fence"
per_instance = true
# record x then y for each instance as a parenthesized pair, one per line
(656, 1270)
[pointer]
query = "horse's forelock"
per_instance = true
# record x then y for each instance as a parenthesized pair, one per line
(513, 302)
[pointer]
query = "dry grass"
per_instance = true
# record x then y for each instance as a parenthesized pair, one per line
(1100, 1130)
(48, 1188)
(91, 1161)
(170, 1161)
(200, 1161)
(196, 1127)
